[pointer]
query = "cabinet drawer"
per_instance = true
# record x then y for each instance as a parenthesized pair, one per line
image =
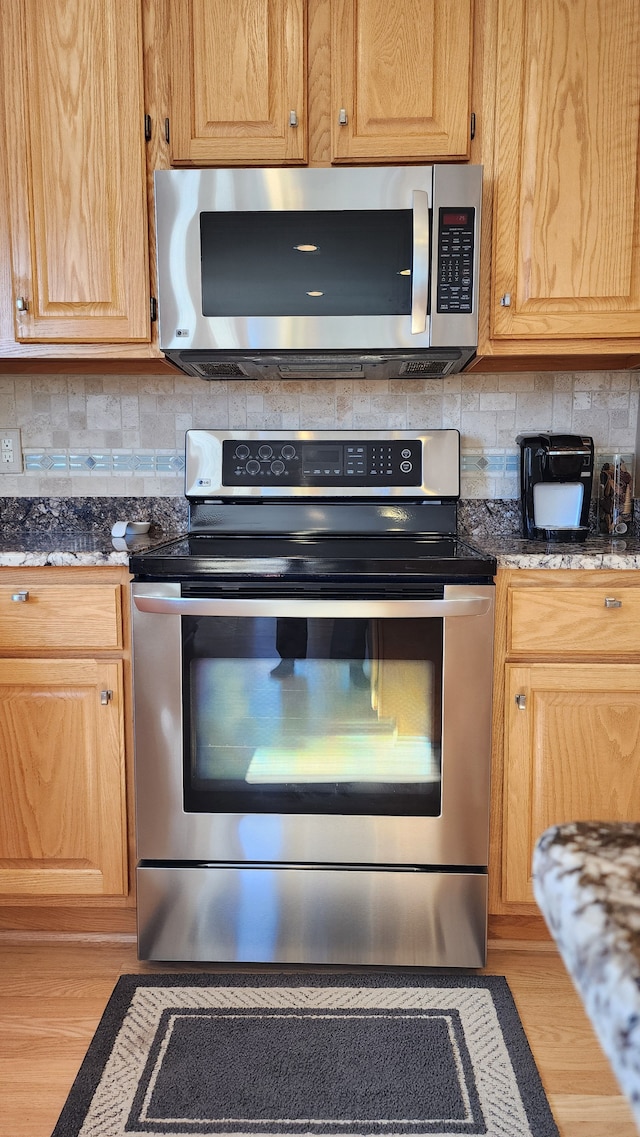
(574, 621)
(59, 616)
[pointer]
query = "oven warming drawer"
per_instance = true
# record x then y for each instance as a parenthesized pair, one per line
(316, 915)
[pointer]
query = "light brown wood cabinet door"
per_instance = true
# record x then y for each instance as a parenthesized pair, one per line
(572, 753)
(401, 73)
(62, 779)
(73, 100)
(566, 242)
(238, 82)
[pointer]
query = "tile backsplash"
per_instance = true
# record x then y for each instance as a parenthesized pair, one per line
(123, 436)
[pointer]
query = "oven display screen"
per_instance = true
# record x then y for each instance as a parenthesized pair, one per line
(276, 463)
(326, 460)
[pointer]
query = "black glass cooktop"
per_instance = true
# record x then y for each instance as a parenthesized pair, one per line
(438, 558)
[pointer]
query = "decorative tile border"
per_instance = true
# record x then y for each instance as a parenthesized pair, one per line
(153, 462)
(506, 463)
(487, 473)
(146, 462)
(499, 463)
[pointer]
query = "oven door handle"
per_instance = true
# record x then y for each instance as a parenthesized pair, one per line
(284, 607)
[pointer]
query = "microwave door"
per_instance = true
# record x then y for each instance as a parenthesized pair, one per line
(421, 260)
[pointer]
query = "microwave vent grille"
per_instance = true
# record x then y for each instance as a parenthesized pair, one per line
(418, 367)
(352, 364)
(220, 370)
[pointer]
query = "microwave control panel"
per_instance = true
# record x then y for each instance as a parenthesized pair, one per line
(322, 463)
(455, 259)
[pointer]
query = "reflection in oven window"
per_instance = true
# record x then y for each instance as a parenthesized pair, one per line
(322, 715)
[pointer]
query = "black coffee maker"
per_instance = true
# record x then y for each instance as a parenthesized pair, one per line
(556, 478)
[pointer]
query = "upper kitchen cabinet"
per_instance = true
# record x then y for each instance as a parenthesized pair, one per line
(400, 80)
(565, 272)
(238, 82)
(75, 171)
(283, 82)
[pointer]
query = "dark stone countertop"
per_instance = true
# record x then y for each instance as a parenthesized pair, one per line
(60, 531)
(77, 531)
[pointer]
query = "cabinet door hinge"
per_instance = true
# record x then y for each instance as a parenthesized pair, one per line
(473, 125)
(153, 309)
(147, 128)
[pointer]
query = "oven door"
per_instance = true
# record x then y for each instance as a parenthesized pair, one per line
(286, 730)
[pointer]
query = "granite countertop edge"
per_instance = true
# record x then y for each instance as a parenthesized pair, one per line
(586, 880)
(57, 557)
(63, 556)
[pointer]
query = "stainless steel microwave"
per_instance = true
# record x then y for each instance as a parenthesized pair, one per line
(330, 273)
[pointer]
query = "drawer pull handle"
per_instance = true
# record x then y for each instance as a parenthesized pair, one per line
(611, 602)
(21, 597)
(521, 702)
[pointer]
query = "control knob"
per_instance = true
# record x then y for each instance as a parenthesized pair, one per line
(288, 451)
(253, 466)
(277, 467)
(265, 451)
(242, 451)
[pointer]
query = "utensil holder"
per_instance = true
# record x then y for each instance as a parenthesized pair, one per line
(615, 495)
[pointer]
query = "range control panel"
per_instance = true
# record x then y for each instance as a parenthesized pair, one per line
(455, 259)
(292, 465)
(349, 462)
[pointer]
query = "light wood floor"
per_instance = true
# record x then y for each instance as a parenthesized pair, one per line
(53, 991)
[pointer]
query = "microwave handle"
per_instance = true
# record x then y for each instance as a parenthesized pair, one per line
(421, 256)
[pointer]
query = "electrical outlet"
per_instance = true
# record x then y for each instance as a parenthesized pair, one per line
(10, 451)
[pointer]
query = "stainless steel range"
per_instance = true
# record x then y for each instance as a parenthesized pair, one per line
(312, 678)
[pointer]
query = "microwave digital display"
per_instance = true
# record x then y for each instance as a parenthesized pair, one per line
(306, 263)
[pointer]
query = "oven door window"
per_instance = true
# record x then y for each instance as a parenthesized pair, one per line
(312, 716)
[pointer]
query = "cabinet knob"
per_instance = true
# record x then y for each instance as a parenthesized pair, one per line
(22, 304)
(20, 597)
(521, 702)
(505, 301)
(342, 117)
(611, 602)
(293, 118)
(106, 697)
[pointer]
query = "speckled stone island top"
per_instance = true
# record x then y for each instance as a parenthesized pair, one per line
(587, 885)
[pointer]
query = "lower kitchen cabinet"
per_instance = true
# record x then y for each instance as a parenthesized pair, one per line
(65, 830)
(62, 779)
(566, 716)
(572, 752)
